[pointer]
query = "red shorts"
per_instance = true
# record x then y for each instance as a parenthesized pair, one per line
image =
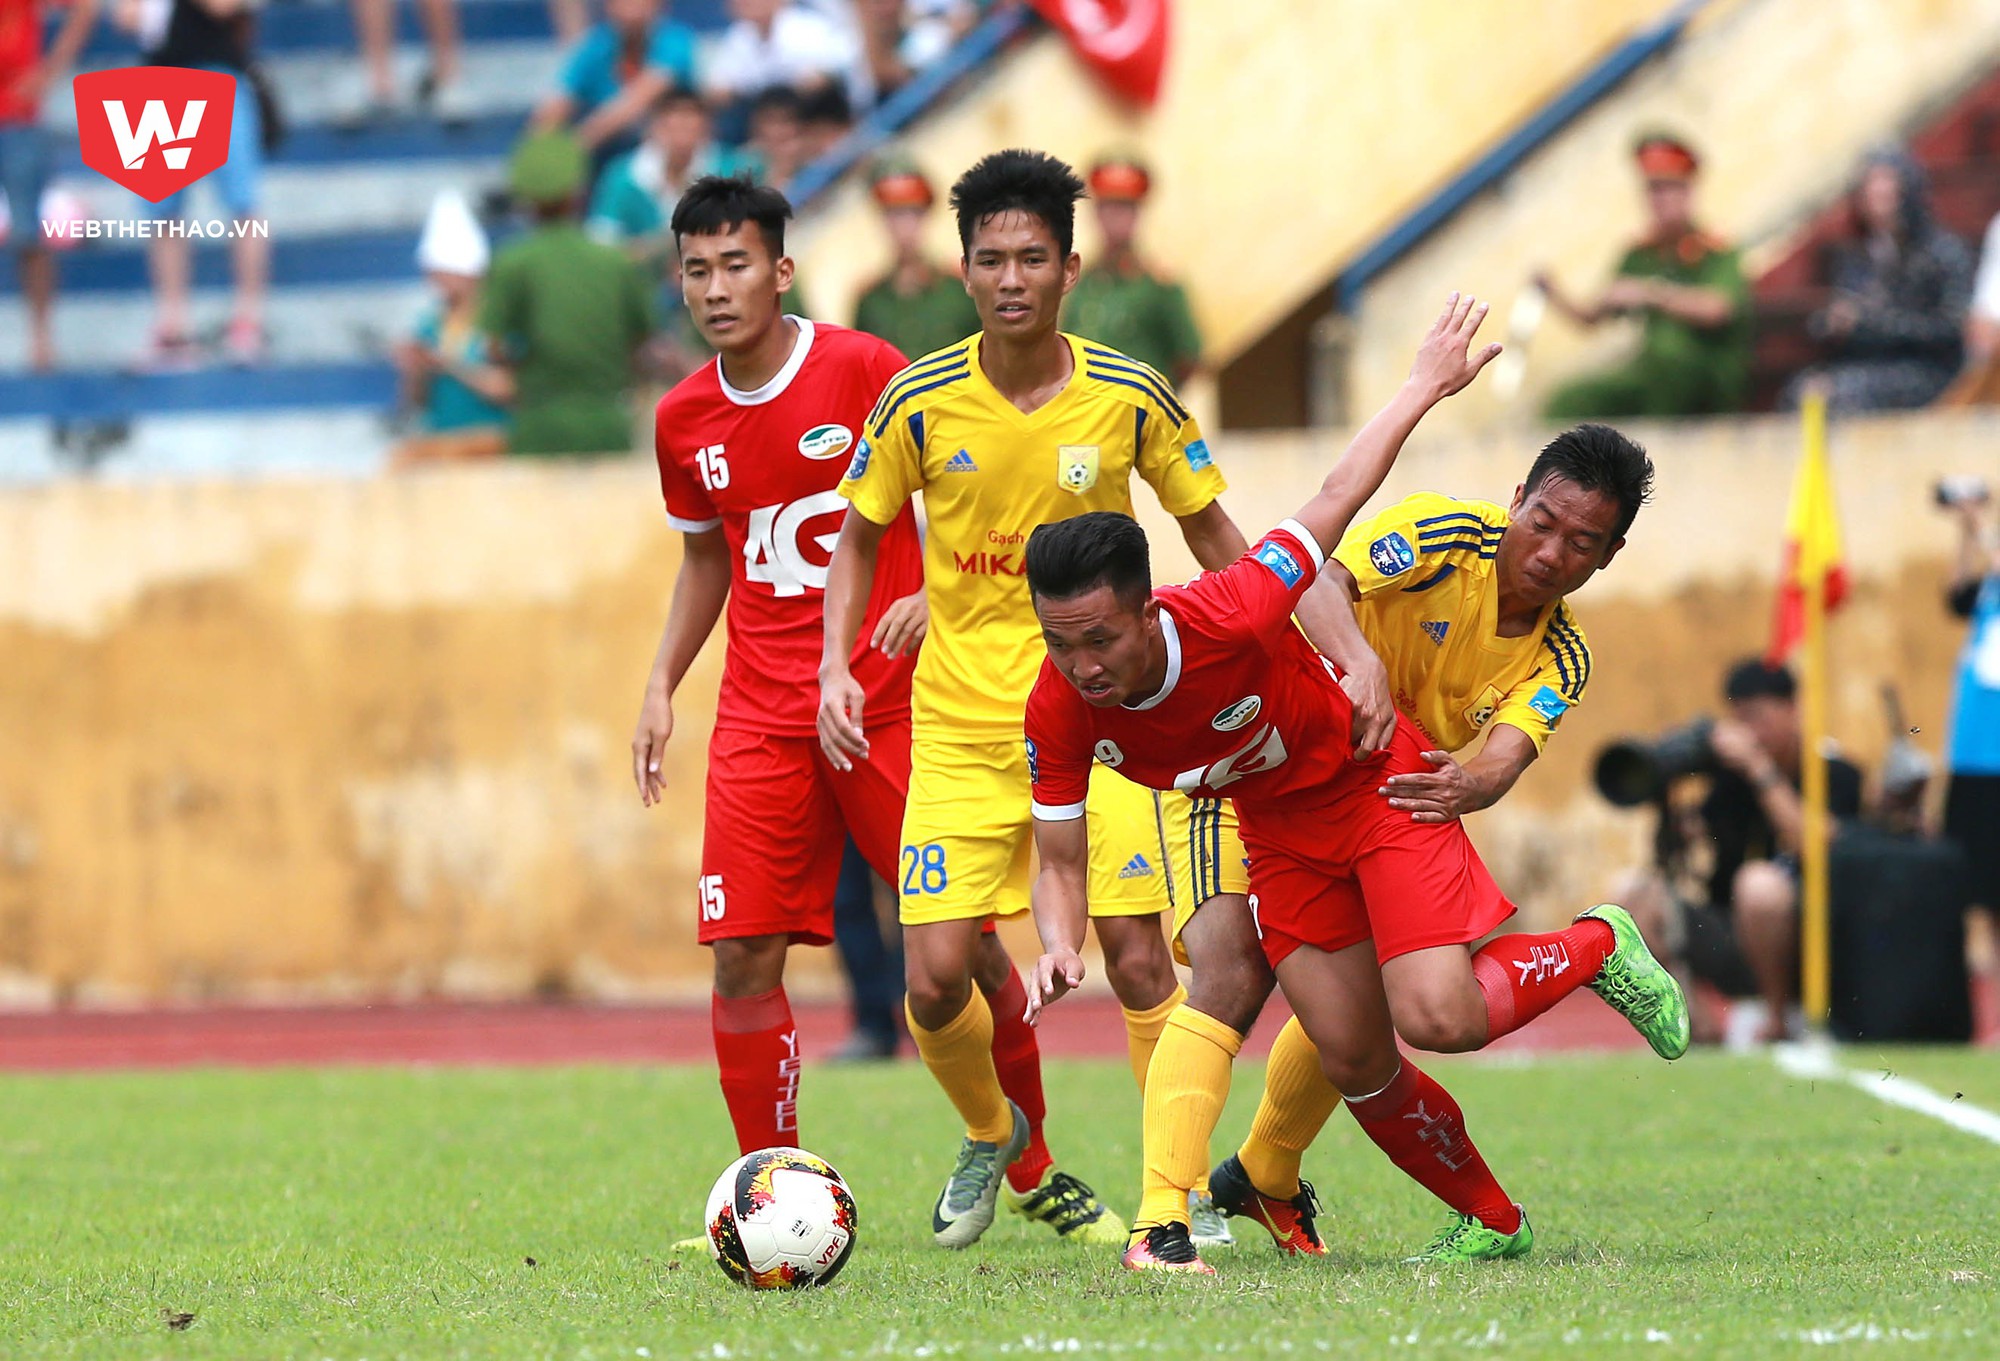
(1355, 869)
(778, 816)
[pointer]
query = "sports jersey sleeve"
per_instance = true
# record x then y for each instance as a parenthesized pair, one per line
(1554, 687)
(1058, 748)
(688, 506)
(1258, 592)
(1173, 457)
(1386, 551)
(887, 468)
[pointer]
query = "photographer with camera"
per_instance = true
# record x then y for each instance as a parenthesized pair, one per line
(1972, 803)
(1733, 923)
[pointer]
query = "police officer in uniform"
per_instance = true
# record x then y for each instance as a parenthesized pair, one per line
(1120, 301)
(917, 306)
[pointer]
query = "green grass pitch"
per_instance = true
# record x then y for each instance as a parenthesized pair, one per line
(1712, 1208)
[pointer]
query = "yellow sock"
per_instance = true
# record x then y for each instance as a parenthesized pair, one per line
(1296, 1103)
(1185, 1092)
(1142, 1032)
(960, 1056)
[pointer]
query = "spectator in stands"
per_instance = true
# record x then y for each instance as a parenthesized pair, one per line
(825, 116)
(1686, 289)
(213, 35)
(1120, 300)
(918, 306)
(1897, 902)
(26, 75)
(772, 44)
(777, 136)
(1738, 931)
(635, 196)
(1900, 287)
(568, 316)
(443, 85)
(459, 397)
(614, 76)
(1972, 800)
(900, 38)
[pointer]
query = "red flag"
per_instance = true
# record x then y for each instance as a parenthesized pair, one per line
(1812, 545)
(1124, 41)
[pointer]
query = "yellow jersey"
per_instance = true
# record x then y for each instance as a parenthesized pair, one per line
(990, 473)
(1430, 608)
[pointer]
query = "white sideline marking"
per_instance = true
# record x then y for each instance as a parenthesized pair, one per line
(1816, 1060)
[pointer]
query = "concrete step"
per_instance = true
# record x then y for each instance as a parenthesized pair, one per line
(100, 395)
(314, 87)
(324, 325)
(319, 201)
(297, 25)
(333, 442)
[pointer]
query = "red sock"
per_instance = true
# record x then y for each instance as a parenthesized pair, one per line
(1421, 1128)
(1017, 1058)
(1523, 976)
(757, 1050)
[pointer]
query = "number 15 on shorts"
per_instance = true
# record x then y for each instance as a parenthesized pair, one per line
(712, 903)
(923, 869)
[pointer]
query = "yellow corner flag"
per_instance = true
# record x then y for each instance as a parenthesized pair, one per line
(1813, 581)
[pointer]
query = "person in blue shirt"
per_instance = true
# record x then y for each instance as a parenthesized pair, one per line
(1972, 803)
(636, 194)
(616, 73)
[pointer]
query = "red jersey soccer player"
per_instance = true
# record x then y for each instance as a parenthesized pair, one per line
(750, 449)
(1210, 689)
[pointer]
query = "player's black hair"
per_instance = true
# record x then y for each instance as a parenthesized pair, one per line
(1099, 548)
(1598, 458)
(1018, 181)
(716, 204)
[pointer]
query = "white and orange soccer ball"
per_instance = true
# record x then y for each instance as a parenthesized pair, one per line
(780, 1219)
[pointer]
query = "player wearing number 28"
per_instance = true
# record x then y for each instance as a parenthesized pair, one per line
(1009, 429)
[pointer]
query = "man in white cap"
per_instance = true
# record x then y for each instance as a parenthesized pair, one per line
(459, 396)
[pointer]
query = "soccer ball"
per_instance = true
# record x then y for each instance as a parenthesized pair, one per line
(780, 1219)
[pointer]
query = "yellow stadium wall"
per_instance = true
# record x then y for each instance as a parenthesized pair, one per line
(324, 739)
(1288, 134)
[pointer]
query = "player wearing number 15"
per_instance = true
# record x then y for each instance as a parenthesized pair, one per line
(750, 450)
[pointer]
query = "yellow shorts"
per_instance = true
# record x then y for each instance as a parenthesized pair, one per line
(968, 837)
(1215, 858)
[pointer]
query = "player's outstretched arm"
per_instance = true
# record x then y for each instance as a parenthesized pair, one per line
(1060, 901)
(1445, 363)
(699, 593)
(849, 580)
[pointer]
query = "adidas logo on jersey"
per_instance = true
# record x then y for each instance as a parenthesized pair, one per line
(1136, 868)
(961, 462)
(1434, 629)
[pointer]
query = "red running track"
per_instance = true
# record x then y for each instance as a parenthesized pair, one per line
(544, 1033)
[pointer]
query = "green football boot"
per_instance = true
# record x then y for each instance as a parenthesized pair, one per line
(1465, 1239)
(1638, 987)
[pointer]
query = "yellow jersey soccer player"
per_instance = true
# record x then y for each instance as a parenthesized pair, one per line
(1453, 612)
(1014, 427)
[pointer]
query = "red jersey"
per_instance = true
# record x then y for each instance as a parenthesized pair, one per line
(1248, 712)
(762, 466)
